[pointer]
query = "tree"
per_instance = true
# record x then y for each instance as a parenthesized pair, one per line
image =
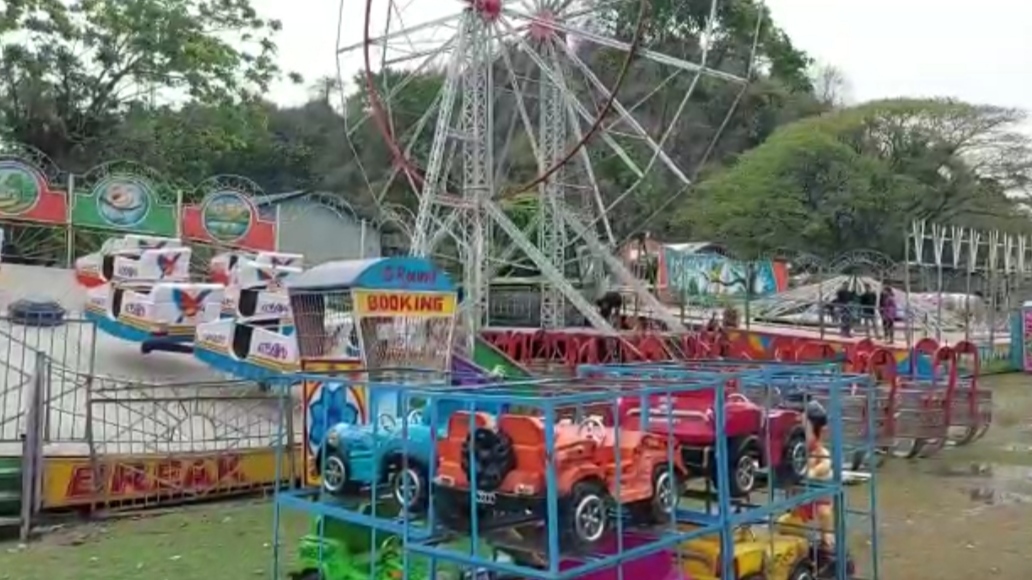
(854, 179)
(76, 68)
(830, 85)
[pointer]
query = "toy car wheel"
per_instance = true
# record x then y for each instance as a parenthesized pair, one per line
(334, 473)
(803, 570)
(586, 516)
(409, 485)
(743, 466)
(794, 459)
(666, 493)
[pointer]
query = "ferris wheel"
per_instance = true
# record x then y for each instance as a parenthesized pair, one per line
(519, 99)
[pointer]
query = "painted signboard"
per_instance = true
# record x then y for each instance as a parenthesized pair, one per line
(127, 203)
(409, 274)
(327, 403)
(77, 481)
(25, 195)
(381, 303)
(228, 217)
(684, 273)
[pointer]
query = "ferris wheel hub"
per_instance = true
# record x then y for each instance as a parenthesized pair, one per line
(487, 9)
(543, 25)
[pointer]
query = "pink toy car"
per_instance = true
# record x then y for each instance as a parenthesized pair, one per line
(659, 565)
(757, 438)
(656, 566)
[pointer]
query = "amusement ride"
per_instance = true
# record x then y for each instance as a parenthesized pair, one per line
(429, 450)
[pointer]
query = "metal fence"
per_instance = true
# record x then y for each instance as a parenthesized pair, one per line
(92, 440)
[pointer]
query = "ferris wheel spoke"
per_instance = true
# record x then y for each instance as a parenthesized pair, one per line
(550, 271)
(393, 10)
(520, 104)
(585, 159)
(620, 45)
(625, 276)
(385, 38)
(400, 86)
(628, 118)
(582, 112)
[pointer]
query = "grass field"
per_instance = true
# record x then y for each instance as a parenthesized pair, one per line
(223, 541)
(963, 514)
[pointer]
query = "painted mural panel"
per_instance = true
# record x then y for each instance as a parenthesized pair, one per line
(27, 195)
(690, 274)
(125, 197)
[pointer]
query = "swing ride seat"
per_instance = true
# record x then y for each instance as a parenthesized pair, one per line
(167, 311)
(255, 292)
(247, 347)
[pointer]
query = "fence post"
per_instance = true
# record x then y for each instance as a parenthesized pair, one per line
(32, 449)
(291, 439)
(99, 484)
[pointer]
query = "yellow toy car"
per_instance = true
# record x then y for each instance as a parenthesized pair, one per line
(783, 551)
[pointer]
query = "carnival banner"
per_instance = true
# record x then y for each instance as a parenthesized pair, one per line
(26, 195)
(227, 215)
(114, 198)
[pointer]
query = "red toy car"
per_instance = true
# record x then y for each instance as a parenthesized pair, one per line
(756, 437)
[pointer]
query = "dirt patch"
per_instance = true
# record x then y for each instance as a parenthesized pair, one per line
(965, 513)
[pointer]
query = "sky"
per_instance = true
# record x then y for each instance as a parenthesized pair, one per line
(976, 51)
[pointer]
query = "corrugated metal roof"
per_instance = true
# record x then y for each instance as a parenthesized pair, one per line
(694, 247)
(330, 199)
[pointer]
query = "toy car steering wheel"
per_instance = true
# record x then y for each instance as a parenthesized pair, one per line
(737, 398)
(592, 428)
(415, 417)
(387, 422)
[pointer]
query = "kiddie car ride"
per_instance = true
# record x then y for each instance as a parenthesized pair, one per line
(756, 436)
(509, 457)
(98, 268)
(391, 454)
(255, 337)
(149, 301)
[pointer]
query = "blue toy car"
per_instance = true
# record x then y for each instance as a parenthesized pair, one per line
(399, 457)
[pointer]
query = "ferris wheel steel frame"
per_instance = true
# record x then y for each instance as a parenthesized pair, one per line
(471, 215)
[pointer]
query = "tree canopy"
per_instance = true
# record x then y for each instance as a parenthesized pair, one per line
(178, 86)
(854, 178)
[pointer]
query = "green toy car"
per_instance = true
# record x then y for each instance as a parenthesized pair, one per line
(338, 550)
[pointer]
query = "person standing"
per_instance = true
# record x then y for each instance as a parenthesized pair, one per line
(844, 302)
(868, 317)
(888, 313)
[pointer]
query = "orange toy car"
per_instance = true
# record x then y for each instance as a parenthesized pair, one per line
(508, 459)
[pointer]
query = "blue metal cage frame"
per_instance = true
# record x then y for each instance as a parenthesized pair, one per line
(595, 387)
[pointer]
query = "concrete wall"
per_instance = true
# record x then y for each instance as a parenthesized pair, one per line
(323, 234)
